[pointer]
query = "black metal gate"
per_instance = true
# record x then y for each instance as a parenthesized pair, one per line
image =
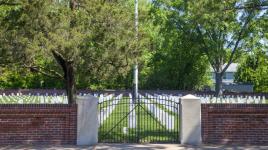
(146, 119)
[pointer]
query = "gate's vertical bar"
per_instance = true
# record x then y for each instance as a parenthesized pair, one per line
(112, 119)
(129, 109)
(138, 121)
(149, 125)
(99, 119)
(122, 138)
(159, 129)
(155, 124)
(145, 129)
(166, 120)
(178, 121)
(119, 137)
(133, 109)
(116, 118)
(142, 127)
(119, 128)
(136, 129)
(148, 120)
(132, 122)
(100, 114)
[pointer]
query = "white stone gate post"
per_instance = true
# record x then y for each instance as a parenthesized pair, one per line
(190, 120)
(87, 120)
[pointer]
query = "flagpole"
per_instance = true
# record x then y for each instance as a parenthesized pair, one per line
(136, 71)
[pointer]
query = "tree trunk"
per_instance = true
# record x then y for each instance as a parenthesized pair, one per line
(67, 65)
(218, 85)
(70, 83)
(69, 79)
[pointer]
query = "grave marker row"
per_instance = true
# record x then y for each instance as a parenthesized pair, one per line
(163, 117)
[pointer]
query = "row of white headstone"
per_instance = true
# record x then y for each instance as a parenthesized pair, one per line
(163, 117)
(22, 99)
(103, 98)
(233, 99)
(56, 98)
(30, 94)
(169, 102)
(107, 111)
(167, 97)
(212, 99)
(43, 99)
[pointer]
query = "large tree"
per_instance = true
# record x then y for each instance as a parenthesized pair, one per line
(223, 28)
(220, 28)
(176, 62)
(81, 36)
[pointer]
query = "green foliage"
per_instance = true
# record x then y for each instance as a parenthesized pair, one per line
(177, 62)
(254, 70)
(177, 42)
(220, 30)
(98, 38)
(15, 77)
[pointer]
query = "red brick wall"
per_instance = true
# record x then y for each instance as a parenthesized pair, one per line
(38, 124)
(235, 124)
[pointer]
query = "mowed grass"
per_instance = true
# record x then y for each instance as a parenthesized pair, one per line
(152, 131)
(148, 129)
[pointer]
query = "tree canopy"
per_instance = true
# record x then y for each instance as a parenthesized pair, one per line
(63, 38)
(253, 70)
(219, 29)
